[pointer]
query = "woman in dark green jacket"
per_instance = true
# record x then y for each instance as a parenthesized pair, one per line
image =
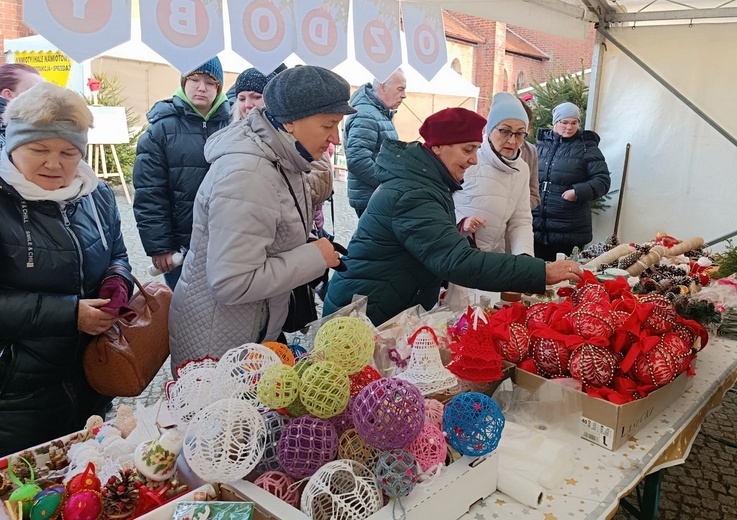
(407, 242)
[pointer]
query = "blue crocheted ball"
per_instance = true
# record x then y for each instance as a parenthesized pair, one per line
(473, 423)
(276, 423)
(396, 473)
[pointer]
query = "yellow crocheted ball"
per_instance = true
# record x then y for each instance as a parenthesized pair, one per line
(279, 386)
(325, 389)
(347, 342)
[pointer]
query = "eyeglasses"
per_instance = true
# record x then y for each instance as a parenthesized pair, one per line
(568, 123)
(508, 133)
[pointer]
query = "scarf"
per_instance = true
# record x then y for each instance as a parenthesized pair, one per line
(84, 182)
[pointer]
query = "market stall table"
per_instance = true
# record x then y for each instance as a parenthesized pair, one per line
(602, 478)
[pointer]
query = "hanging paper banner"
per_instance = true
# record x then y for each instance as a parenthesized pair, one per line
(322, 27)
(425, 36)
(377, 36)
(186, 33)
(81, 29)
(262, 31)
(53, 67)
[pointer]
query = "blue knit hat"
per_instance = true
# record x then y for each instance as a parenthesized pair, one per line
(212, 68)
(304, 91)
(252, 80)
(505, 106)
(566, 110)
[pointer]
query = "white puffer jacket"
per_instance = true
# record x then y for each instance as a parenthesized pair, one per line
(249, 245)
(499, 193)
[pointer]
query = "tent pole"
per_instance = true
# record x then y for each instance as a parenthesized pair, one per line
(621, 189)
(729, 137)
(592, 106)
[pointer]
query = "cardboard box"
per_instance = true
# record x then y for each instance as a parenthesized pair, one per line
(607, 424)
(449, 496)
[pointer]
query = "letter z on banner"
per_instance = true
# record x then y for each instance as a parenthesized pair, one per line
(81, 29)
(425, 36)
(186, 33)
(376, 36)
(262, 31)
(322, 27)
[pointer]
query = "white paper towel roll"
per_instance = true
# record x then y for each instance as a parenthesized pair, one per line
(519, 488)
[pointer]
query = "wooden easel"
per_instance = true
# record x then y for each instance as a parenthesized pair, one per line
(96, 155)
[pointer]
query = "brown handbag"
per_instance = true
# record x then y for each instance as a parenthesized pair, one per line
(123, 360)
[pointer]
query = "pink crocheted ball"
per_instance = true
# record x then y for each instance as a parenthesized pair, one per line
(434, 412)
(430, 448)
(389, 413)
(281, 486)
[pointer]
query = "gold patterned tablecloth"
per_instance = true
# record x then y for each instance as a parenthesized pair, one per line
(602, 477)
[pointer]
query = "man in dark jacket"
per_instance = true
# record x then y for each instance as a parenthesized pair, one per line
(365, 131)
(407, 242)
(170, 164)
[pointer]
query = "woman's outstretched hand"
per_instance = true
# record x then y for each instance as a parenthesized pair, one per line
(561, 270)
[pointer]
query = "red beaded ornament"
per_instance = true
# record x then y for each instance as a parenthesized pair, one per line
(517, 347)
(589, 293)
(593, 366)
(592, 320)
(550, 356)
(537, 315)
(663, 317)
(656, 367)
(679, 348)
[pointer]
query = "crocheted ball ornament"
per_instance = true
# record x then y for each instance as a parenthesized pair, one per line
(343, 489)
(190, 393)
(281, 350)
(239, 371)
(663, 317)
(298, 351)
(593, 366)
(434, 412)
(363, 377)
(551, 356)
(280, 485)
(325, 389)
(656, 367)
(389, 413)
(592, 320)
(297, 409)
(275, 424)
(279, 386)
(396, 473)
(473, 423)
(516, 347)
(306, 444)
(346, 341)
(344, 420)
(352, 446)
(225, 440)
(430, 448)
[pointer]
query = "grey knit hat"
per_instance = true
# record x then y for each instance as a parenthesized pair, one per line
(505, 106)
(304, 91)
(19, 132)
(565, 110)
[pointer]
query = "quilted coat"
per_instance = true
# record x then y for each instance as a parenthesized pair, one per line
(528, 153)
(364, 132)
(169, 168)
(407, 242)
(60, 254)
(499, 193)
(564, 163)
(249, 245)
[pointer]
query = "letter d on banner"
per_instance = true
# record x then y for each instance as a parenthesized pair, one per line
(376, 36)
(186, 33)
(425, 35)
(321, 31)
(81, 29)
(262, 31)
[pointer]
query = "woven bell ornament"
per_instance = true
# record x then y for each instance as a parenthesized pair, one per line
(425, 368)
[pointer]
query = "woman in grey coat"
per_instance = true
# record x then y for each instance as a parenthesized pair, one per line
(252, 217)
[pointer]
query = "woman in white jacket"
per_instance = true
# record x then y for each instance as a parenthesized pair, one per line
(494, 205)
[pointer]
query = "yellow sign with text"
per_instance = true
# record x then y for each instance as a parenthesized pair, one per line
(54, 67)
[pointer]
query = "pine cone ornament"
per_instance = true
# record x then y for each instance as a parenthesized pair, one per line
(593, 366)
(627, 260)
(120, 495)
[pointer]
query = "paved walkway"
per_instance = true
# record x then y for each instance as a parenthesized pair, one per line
(705, 487)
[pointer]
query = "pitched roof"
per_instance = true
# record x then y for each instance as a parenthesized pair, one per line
(516, 44)
(459, 31)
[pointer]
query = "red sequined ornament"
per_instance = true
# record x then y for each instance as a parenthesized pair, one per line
(592, 320)
(363, 377)
(517, 346)
(550, 356)
(663, 317)
(589, 293)
(656, 367)
(83, 505)
(593, 366)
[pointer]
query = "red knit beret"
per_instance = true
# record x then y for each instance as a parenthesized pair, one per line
(453, 126)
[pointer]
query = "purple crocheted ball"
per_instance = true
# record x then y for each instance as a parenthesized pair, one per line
(344, 420)
(307, 444)
(389, 413)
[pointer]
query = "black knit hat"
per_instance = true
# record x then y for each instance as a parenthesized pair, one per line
(304, 91)
(252, 80)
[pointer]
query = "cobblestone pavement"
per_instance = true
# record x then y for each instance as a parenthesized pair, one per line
(705, 487)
